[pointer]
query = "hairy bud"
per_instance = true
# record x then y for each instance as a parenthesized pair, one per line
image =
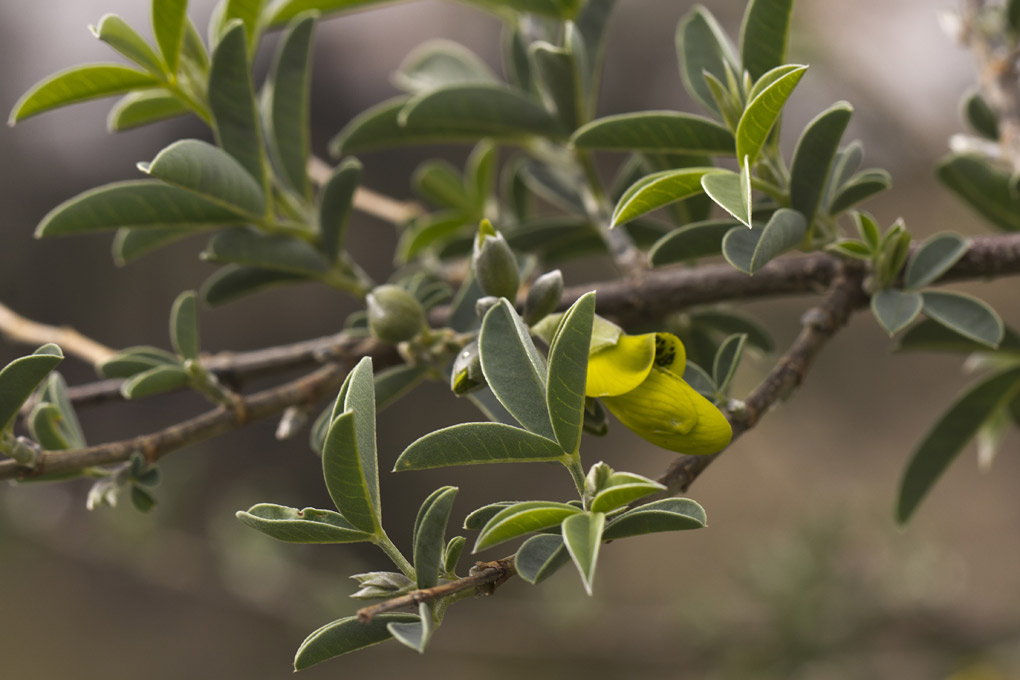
(393, 314)
(494, 263)
(467, 375)
(543, 297)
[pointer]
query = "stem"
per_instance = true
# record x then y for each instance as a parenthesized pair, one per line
(573, 464)
(387, 546)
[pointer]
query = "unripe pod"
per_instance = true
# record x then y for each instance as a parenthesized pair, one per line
(494, 263)
(543, 297)
(394, 315)
(467, 375)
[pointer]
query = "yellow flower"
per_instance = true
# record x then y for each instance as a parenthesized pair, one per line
(639, 379)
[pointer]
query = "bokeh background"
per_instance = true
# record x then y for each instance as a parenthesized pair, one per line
(802, 573)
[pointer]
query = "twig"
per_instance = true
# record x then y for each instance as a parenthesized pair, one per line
(819, 325)
(491, 574)
(19, 329)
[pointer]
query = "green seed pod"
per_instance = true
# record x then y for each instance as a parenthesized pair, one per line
(393, 314)
(494, 263)
(484, 304)
(543, 297)
(467, 375)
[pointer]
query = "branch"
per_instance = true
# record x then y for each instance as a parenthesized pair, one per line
(25, 331)
(491, 574)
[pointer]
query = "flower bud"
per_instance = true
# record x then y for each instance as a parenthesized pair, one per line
(467, 375)
(543, 297)
(494, 263)
(394, 315)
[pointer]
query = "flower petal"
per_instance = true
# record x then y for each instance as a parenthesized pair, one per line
(620, 368)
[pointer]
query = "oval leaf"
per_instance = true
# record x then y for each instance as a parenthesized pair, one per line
(933, 336)
(699, 239)
(656, 131)
(134, 204)
(582, 534)
(143, 107)
(19, 379)
(812, 159)
(763, 35)
(751, 249)
(430, 535)
(661, 189)
(621, 494)
(986, 188)
(78, 84)
(858, 188)
(154, 381)
(169, 18)
(934, 258)
(346, 635)
(895, 309)
(513, 368)
(233, 282)
(966, 315)
(301, 526)
(246, 246)
(184, 325)
(727, 359)
(116, 33)
(702, 46)
(211, 173)
(540, 557)
(763, 111)
(520, 519)
(731, 191)
(436, 63)
(287, 102)
(668, 514)
(232, 102)
(946, 439)
(470, 443)
(568, 368)
(349, 480)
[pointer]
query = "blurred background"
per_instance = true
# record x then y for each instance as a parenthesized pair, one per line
(802, 573)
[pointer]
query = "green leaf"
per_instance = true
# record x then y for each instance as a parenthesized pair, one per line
(416, 634)
(868, 229)
(347, 477)
(346, 635)
(700, 380)
(79, 84)
(731, 191)
(764, 34)
(966, 315)
(702, 46)
(479, 517)
(522, 518)
(184, 325)
(668, 514)
(480, 176)
(471, 443)
(248, 12)
(980, 116)
(751, 249)
(19, 379)
(394, 382)
(169, 18)
(623, 488)
(232, 282)
(568, 369)
(933, 336)
(139, 203)
(656, 131)
(582, 534)
(698, 239)
(986, 188)
(359, 398)
(301, 526)
(846, 162)
(934, 258)
(430, 535)
(335, 203)
(56, 412)
(762, 112)
(437, 63)
(432, 231)
(661, 189)
(287, 100)
(377, 128)
(513, 368)
(193, 59)
(950, 434)
(473, 111)
(850, 248)
(895, 309)
(232, 102)
(730, 321)
(451, 554)
(858, 188)
(154, 381)
(279, 252)
(437, 181)
(557, 79)
(540, 557)
(134, 360)
(209, 172)
(812, 159)
(143, 107)
(562, 9)
(727, 358)
(116, 33)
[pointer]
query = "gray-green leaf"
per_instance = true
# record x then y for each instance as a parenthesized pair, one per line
(540, 557)
(812, 159)
(142, 107)
(658, 131)
(668, 514)
(287, 102)
(346, 635)
(154, 381)
(702, 46)
(520, 519)
(19, 379)
(568, 369)
(698, 239)
(247, 246)
(934, 258)
(115, 32)
(430, 535)
(168, 23)
(184, 325)
(79, 84)
(302, 526)
(986, 188)
(964, 314)
(751, 249)
(895, 309)
(470, 443)
(582, 534)
(661, 189)
(762, 112)
(763, 35)
(232, 102)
